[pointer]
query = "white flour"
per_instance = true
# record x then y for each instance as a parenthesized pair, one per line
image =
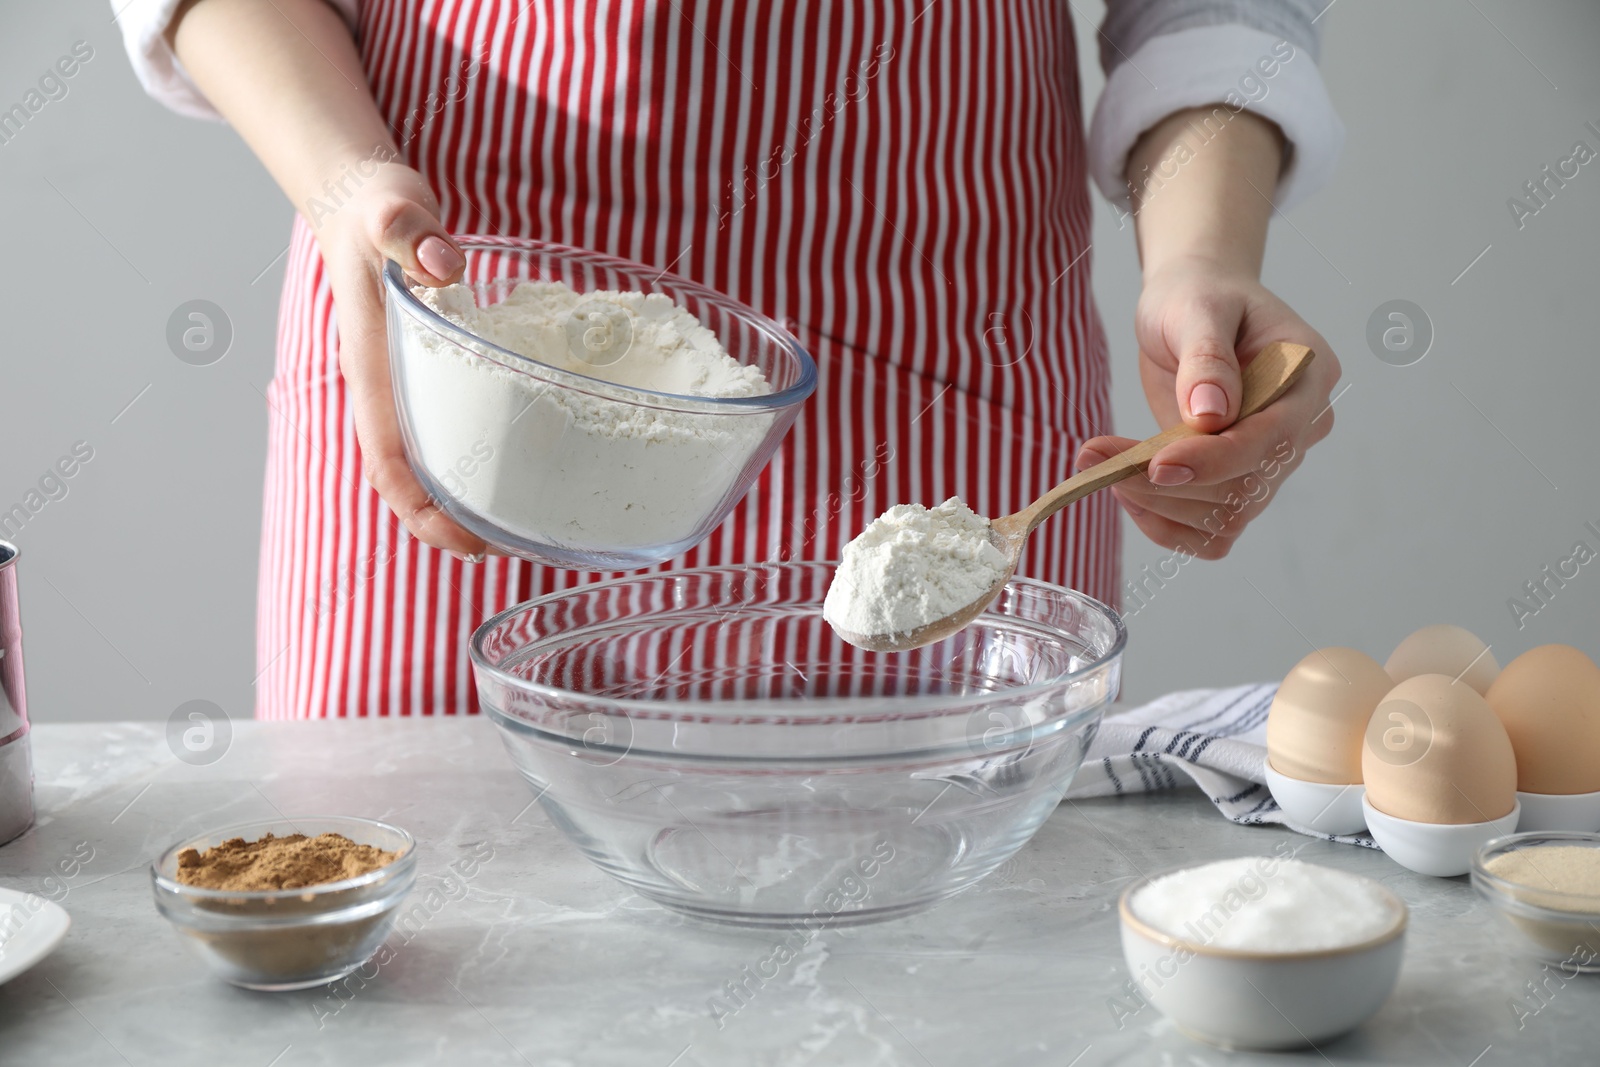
(592, 470)
(911, 566)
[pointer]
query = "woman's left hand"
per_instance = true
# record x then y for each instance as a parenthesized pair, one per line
(1195, 324)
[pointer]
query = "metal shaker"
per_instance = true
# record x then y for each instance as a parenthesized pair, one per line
(16, 759)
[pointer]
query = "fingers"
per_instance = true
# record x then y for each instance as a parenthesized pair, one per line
(408, 232)
(1236, 493)
(1208, 385)
(1270, 466)
(1202, 520)
(364, 361)
(440, 258)
(1297, 420)
(1216, 518)
(1099, 449)
(1185, 538)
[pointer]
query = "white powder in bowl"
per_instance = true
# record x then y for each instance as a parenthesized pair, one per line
(592, 470)
(912, 566)
(1265, 904)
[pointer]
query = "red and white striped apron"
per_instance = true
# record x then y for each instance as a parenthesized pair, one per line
(901, 182)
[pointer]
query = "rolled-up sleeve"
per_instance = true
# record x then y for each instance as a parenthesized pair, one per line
(144, 34)
(1162, 56)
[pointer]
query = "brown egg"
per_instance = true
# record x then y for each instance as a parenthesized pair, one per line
(1435, 752)
(1444, 649)
(1549, 700)
(1320, 713)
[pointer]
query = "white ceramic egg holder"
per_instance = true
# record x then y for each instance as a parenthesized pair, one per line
(1559, 811)
(1318, 806)
(1438, 849)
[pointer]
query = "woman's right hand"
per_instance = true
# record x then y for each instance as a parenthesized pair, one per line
(392, 215)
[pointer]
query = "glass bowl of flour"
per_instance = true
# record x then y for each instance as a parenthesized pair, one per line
(583, 411)
(706, 738)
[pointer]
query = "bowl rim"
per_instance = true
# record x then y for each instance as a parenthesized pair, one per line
(1503, 893)
(804, 386)
(407, 857)
(684, 710)
(1130, 921)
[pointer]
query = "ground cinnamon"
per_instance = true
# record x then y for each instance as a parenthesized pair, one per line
(291, 862)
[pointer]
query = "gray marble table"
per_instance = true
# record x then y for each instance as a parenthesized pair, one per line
(540, 959)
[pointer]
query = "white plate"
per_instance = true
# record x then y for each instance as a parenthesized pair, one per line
(30, 929)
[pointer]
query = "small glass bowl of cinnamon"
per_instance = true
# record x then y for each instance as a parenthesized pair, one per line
(300, 935)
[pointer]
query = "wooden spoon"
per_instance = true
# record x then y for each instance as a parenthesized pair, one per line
(1266, 378)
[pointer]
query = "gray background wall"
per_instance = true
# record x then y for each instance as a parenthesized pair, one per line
(1448, 484)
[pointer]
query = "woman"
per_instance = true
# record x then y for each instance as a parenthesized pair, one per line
(901, 182)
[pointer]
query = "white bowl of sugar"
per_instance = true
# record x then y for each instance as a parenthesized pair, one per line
(1263, 952)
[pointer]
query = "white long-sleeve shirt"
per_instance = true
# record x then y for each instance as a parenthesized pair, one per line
(1159, 56)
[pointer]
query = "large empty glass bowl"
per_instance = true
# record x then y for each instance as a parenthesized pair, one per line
(566, 468)
(704, 737)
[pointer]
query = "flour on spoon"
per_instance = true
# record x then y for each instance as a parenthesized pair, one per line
(913, 566)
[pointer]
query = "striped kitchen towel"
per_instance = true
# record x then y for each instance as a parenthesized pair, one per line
(1215, 739)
